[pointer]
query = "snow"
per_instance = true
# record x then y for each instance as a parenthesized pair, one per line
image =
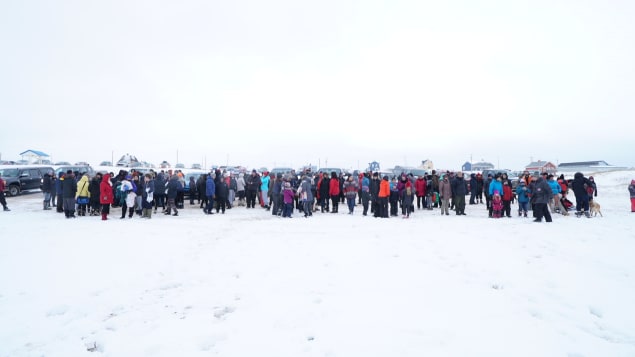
(250, 284)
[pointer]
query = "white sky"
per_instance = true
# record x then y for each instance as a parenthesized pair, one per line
(336, 83)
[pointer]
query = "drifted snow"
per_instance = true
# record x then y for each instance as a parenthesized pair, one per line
(249, 284)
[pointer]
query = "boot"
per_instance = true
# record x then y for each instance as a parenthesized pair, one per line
(149, 213)
(587, 214)
(104, 217)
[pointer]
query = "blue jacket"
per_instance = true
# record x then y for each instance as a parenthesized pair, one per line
(264, 183)
(210, 187)
(365, 184)
(521, 192)
(496, 186)
(555, 186)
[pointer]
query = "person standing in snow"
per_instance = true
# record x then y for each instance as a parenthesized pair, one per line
(159, 191)
(264, 190)
(210, 193)
(200, 188)
(287, 197)
(147, 196)
(334, 191)
(459, 191)
(222, 191)
(46, 190)
(127, 196)
(523, 198)
(305, 194)
(106, 196)
(542, 194)
(365, 192)
(420, 189)
(193, 190)
(350, 191)
(3, 200)
(82, 196)
(240, 189)
(382, 196)
(252, 185)
(579, 187)
(445, 192)
(173, 186)
(592, 189)
(69, 188)
(631, 190)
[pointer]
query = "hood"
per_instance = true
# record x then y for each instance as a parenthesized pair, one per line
(83, 179)
(106, 178)
(578, 175)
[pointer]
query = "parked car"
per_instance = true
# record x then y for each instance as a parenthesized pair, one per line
(105, 163)
(186, 177)
(196, 167)
(164, 165)
(510, 175)
(81, 169)
(328, 170)
(23, 177)
(60, 163)
(179, 166)
(281, 170)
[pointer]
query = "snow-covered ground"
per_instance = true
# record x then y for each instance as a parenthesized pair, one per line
(249, 284)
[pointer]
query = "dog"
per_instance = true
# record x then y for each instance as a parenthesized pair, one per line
(594, 208)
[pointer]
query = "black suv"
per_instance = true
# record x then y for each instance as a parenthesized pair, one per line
(23, 177)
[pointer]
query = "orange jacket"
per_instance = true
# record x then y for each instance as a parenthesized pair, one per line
(384, 189)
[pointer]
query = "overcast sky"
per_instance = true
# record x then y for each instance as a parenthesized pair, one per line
(330, 83)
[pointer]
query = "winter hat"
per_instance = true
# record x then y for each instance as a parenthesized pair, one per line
(496, 192)
(522, 182)
(287, 185)
(128, 177)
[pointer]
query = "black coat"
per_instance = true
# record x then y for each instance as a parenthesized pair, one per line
(46, 183)
(69, 186)
(173, 186)
(541, 193)
(222, 191)
(94, 187)
(579, 185)
(459, 186)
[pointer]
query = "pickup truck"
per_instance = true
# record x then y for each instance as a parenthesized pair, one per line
(23, 177)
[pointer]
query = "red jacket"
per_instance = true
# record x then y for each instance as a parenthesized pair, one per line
(507, 193)
(334, 187)
(106, 195)
(420, 187)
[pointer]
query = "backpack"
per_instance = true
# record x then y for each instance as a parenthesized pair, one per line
(409, 191)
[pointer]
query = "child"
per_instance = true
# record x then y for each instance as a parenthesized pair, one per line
(523, 199)
(497, 205)
(508, 195)
(288, 197)
(631, 190)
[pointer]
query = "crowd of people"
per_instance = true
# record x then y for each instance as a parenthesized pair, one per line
(136, 193)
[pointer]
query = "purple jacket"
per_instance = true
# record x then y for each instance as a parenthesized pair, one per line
(288, 195)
